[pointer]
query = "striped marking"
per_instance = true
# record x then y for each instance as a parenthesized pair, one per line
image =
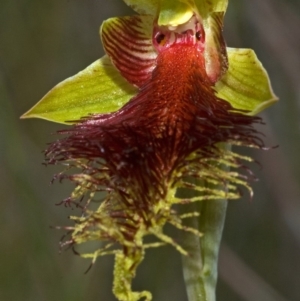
(128, 42)
(215, 47)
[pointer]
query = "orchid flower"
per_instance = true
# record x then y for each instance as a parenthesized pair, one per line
(152, 125)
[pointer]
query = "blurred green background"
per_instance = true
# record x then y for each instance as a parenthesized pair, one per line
(44, 41)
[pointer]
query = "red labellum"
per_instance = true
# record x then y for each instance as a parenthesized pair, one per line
(142, 146)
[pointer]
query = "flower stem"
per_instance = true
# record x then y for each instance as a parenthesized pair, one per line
(200, 267)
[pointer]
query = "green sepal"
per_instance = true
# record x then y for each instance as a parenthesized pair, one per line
(144, 7)
(99, 88)
(174, 13)
(169, 12)
(207, 7)
(152, 7)
(246, 85)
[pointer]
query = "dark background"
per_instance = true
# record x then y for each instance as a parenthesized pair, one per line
(44, 41)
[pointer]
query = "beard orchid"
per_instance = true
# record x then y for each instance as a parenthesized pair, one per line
(152, 125)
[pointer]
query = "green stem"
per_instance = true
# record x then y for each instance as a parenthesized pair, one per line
(200, 267)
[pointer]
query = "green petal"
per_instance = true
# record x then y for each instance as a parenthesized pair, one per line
(216, 61)
(144, 7)
(174, 13)
(99, 88)
(128, 42)
(206, 7)
(246, 84)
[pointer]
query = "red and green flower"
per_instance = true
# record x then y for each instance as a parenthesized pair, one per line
(152, 125)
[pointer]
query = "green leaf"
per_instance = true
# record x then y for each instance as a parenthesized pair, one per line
(246, 84)
(99, 88)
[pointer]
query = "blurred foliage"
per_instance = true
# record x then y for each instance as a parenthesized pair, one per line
(42, 43)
